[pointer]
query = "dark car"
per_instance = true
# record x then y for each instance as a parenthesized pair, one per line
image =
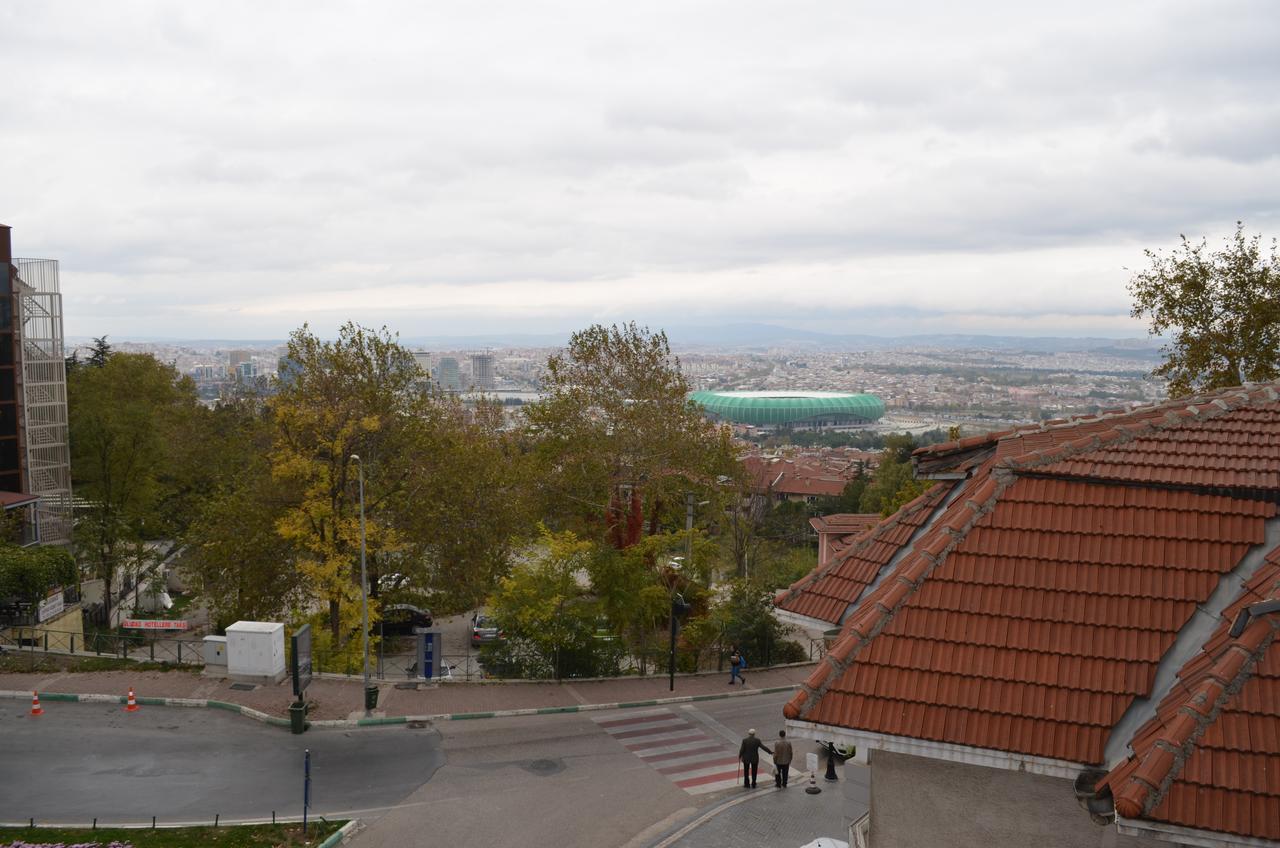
(484, 630)
(404, 619)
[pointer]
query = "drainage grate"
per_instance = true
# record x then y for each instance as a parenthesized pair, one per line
(244, 687)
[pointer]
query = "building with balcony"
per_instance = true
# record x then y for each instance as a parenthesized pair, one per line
(35, 454)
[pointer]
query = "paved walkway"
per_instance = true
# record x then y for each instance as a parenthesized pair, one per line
(341, 698)
(762, 817)
(778, 818)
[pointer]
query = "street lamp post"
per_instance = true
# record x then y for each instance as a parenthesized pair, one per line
(364, 587)
(678, 608)
(688, 527)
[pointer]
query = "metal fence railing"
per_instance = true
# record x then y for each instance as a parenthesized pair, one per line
(140, 647)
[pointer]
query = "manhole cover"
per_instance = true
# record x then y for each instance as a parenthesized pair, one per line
(243, 687)
(542, 768)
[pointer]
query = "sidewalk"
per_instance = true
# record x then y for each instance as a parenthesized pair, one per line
(779, 818)
(342, 698)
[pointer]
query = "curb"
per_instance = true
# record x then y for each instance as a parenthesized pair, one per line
(88, 698)
(276, 721)
(705, 816)
(344, 833)
(338, 837)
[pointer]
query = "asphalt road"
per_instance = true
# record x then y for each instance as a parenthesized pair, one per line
(556, 780)
(81, 761)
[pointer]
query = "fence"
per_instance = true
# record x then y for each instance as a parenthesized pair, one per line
(139, 647)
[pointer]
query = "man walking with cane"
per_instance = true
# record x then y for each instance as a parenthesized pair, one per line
(749, 756)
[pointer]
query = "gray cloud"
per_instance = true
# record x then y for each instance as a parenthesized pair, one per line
(194, 164)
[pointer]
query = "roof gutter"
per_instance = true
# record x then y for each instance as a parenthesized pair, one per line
(1180, 835)
(950, 752)
(805, 621)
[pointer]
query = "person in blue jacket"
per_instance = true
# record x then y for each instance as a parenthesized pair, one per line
(737, 662)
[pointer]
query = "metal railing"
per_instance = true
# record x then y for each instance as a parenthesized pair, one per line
(139, 647)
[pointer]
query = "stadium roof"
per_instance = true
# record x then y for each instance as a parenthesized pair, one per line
(784, 407)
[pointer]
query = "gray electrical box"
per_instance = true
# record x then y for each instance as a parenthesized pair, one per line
(215, 651)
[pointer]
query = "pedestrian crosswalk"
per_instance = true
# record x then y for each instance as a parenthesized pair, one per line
(685, 752)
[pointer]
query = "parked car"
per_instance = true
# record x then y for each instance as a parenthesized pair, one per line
(484, 630)
(404, 619)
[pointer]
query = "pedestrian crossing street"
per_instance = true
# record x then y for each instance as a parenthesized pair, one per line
(684, 751)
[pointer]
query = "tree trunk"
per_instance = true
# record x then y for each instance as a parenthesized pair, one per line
(333, 623)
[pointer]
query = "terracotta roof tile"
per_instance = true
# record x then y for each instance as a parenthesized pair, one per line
(1210, 758)
(1040, 602)
(827, 592)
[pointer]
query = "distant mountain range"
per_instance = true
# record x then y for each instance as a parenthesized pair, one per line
(771, 336)
(752, 337)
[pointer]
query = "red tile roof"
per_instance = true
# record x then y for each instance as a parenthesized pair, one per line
(826, 592)
(12, 499)
(1036, 608)
(845, 522)
(1210, 758)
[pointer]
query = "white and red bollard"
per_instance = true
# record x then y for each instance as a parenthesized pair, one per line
(132, 706)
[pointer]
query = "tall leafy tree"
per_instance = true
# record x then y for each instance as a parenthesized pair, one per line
(125, 416)
(543, 605)
(894, 484)
(1222, 308)
(619, 439)
(356, 395)
(240, 564)
(467, 504)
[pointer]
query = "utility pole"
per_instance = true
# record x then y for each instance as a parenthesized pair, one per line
(364, 589)
(688, 527)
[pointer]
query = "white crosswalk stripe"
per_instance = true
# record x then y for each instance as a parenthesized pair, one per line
(680, 749)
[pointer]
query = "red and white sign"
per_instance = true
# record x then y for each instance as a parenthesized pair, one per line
(51, 606)
(153, 624)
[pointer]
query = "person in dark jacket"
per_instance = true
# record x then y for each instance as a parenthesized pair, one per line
(781, 760)
(749, 753)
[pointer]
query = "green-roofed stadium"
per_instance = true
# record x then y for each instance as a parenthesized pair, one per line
(791, 409)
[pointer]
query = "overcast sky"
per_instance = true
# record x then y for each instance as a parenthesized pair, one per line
(234, 169)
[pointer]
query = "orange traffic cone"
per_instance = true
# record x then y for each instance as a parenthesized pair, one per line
(132, 706)
(35, 704)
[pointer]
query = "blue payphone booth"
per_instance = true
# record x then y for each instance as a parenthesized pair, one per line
(429, 657)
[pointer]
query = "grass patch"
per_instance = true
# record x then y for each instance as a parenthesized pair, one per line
(228, 836)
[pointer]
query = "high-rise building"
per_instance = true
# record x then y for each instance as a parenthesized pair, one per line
(448, 375)
(422, 359)
(482, 378)
(35, 454)
(238, 357)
